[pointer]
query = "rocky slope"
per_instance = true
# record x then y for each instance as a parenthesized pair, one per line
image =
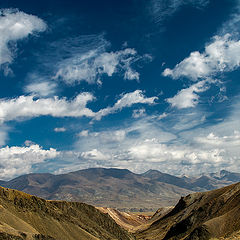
(199, 216)
(129, 221)
(24, 216)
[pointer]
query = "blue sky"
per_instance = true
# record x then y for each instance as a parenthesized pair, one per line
(129, 84)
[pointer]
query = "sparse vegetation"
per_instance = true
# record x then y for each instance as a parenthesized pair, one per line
(24, 216)
(199, 216)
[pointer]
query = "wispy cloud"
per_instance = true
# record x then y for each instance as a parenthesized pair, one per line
(233, 23)
(181, 145)
(41, 89)
(117, 140)
(144, 144)
(3, 134)
(15, 25)
(95, 63)
(160, 10)
(127, 100)
(85, 58)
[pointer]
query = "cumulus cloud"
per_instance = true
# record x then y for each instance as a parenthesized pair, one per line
(224, 141)
(145, 153)
(28, 107)
(16, 25)
(16, 161)
(127, 100)
(188, 97)
(154, 151)
(94, 154)
(143, 145)
(182, 145)
(92, 65)
(221, 55)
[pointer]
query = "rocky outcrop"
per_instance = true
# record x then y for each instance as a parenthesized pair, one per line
(199, 216)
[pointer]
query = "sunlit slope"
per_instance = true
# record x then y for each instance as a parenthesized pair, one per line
(207, 215)
(23, 216)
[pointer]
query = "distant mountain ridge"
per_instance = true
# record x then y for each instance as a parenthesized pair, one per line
(119, 188)
(201, 183)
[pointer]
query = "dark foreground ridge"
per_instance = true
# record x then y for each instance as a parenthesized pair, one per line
(199, 216)
(23, 216)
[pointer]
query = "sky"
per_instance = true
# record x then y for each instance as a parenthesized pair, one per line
(130, 84)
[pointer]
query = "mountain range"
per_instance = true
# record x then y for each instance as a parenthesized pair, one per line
(207, 215)
(119, 188)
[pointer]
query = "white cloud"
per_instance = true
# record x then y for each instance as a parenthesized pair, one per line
(28, 107)
(137, 151)
(105, 141)
(95, 63)
(188, 97)
(110, 136)
(127, 100)
(41, 89)
(224, 141)
(162, 116)
(114, 141)
(131, 74)
(83, 133)
(232, 25)
(154, 151)
(222, 55)
(94, 154)
(19, 160)
(14, 26)
(60, 129)
(182, 145)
